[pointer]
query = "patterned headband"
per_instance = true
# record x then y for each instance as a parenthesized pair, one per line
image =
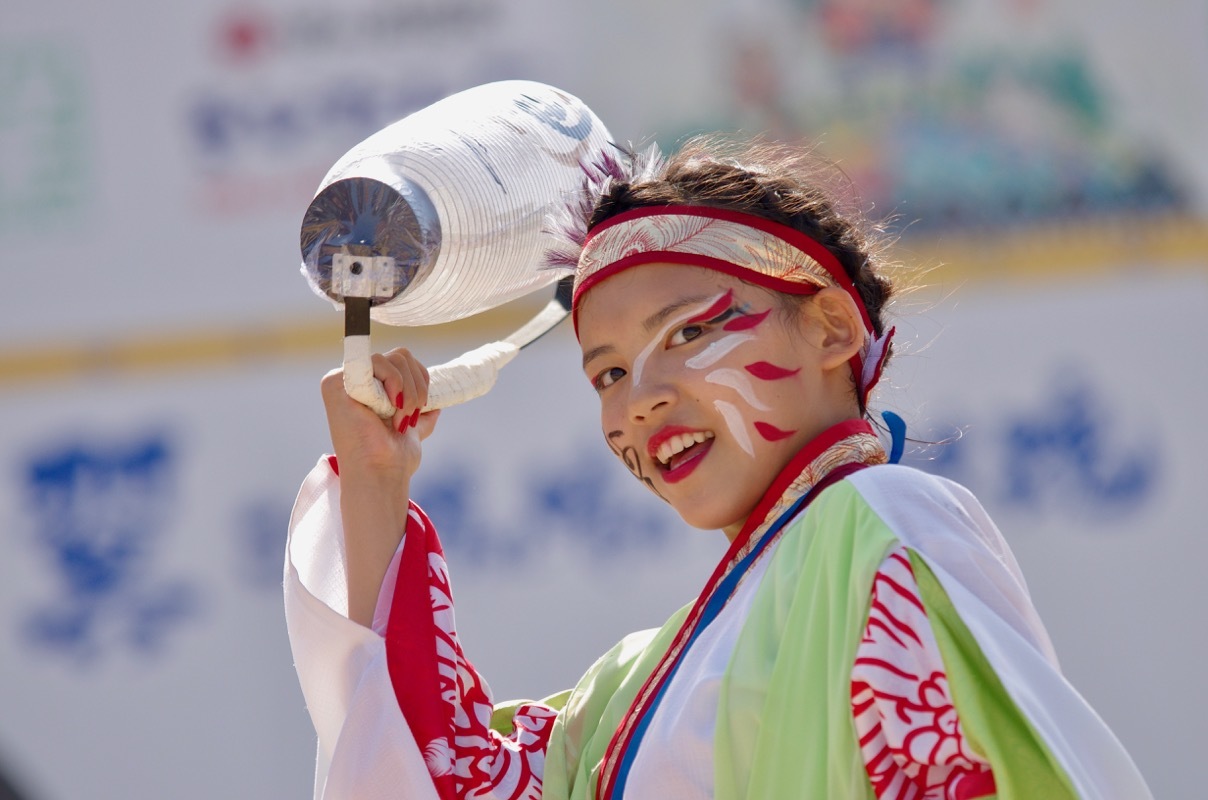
(745, 246)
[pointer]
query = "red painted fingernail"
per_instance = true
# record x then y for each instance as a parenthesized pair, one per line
(398, 401)
(406, 423)
(415, 418)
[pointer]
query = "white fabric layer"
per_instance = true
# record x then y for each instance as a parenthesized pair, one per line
(676, 755)
(366, 751)
(363, 753)
(933, 517)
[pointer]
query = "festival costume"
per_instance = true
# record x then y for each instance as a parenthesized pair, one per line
(784, 719)
(867, 635)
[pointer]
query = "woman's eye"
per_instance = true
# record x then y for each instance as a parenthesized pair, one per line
(695, 330)
(686, 334)
(608, 377)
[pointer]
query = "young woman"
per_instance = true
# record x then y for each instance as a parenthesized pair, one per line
(867, 634)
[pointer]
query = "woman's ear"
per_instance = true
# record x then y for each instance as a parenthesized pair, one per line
(838, 328)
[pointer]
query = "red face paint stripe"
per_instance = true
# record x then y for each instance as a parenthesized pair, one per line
(770, 372)
(723, 303)
(771, 432)
(746, 321)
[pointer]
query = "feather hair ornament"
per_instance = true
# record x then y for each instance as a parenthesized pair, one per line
(567, 225)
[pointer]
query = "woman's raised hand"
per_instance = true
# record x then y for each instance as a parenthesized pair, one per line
(377, 458)
(367, 446)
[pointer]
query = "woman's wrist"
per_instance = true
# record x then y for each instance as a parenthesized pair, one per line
(379, 488)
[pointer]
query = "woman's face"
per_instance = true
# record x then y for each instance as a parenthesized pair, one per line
(706, 392)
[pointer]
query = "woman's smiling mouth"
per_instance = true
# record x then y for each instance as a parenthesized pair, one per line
(678, 451)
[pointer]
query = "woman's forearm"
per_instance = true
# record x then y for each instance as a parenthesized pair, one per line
(376, 461)
(374, 513)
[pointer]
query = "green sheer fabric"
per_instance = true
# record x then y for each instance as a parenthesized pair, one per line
(784, 726)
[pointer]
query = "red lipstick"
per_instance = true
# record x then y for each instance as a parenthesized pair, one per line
(662, 435)
(691, 461)
(683, 463)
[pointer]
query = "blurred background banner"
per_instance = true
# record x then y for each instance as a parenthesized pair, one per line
(160, 353)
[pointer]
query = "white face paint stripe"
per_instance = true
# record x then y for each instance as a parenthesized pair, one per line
(740, 382)
(718, 350)
(734, 420)
(639, 363)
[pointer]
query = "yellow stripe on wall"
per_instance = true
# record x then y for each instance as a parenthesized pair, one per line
(1063, 250)
(179, 350)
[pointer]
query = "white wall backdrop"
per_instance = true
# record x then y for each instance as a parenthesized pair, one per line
(160, 354)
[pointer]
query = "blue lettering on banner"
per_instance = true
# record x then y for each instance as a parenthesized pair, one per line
(1068, 454)
(580, 502)
(261, 526)
(99, 512)
(1068, 448)
(448, 500)
(262, 150)
(232, 124)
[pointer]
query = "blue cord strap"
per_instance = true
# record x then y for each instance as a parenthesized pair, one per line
(897, 432)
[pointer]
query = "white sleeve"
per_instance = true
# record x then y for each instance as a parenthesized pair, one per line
(365, 749)
(943, 523)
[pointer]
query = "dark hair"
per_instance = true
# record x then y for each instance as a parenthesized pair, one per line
(779, 182)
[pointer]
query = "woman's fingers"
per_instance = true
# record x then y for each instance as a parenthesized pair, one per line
(332, 381)
(335, 397)
(406, 382)
(397, 382)
(368, 445)
(426, 423)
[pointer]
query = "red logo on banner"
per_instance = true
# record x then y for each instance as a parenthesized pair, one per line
(244, 35)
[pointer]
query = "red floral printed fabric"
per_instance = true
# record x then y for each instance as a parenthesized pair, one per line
(451, 719)
(909, 733)
(910, 736)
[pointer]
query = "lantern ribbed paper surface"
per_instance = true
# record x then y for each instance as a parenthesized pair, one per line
(457, 194)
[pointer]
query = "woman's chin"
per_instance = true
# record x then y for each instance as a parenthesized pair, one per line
(710, 519)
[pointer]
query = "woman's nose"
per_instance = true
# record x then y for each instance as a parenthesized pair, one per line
(650, 399)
